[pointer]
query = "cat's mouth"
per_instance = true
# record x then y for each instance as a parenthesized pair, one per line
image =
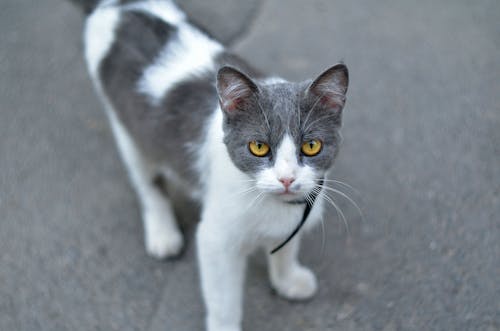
(286, 194)
(290, 196)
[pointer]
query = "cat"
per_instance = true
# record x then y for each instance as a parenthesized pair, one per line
(251, 149)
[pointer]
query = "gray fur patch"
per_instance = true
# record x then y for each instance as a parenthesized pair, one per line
(274, 111)
(167, 132)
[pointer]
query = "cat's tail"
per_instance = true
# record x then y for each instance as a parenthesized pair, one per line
(88, 5)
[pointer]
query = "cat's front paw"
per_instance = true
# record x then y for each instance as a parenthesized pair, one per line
(161, 240)
(299, 284)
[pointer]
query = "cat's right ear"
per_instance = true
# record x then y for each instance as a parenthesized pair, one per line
(235, 89)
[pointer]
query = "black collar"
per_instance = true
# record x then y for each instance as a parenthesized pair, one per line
(296, 202)
(309, 204)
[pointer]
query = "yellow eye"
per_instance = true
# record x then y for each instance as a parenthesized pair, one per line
(311, 147)
(258, 148)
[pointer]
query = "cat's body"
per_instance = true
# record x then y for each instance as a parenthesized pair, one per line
(246, 149)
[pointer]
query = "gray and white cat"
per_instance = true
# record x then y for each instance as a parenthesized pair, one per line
(250, 150)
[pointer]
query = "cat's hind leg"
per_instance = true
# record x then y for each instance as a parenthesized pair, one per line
(288, 277)
(161, 233)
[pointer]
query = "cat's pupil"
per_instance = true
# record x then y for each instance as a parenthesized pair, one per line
(311, 144)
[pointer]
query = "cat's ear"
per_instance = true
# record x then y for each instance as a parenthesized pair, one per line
(235, 89)
(331, 87)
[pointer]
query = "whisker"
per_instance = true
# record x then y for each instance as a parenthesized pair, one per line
(247, 190)
(339, 211)
(299, 114)
(253, 201)
(346, 197)
(309, 199)
(342, 183)
(319, 119)
(323, 237)
(312, 108)
(264, 114)
(261, 198)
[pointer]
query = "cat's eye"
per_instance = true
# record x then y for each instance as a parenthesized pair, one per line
(311, 147)
(258, 148)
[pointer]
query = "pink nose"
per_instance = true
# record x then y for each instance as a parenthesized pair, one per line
(287, 182)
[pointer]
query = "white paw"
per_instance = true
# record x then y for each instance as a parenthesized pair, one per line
(162, 238)
(299, 284)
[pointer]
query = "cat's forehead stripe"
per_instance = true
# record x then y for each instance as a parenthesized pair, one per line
(286, 158)
(286, 149)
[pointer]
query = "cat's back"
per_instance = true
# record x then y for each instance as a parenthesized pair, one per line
(125, 37)
(156, 71)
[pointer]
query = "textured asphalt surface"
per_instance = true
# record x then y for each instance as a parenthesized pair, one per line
(421, 147)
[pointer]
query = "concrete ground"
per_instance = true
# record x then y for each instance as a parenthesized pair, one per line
(421, 146)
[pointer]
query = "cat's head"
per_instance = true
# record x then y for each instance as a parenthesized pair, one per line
(284, 135)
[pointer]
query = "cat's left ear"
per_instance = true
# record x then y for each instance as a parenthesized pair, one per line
(235, 89)
(331, 87)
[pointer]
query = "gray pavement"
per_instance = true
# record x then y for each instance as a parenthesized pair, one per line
(421, 146)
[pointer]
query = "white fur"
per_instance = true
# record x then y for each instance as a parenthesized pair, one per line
(191, 53)
(99, 35)
(290, 279)
(239, 214)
